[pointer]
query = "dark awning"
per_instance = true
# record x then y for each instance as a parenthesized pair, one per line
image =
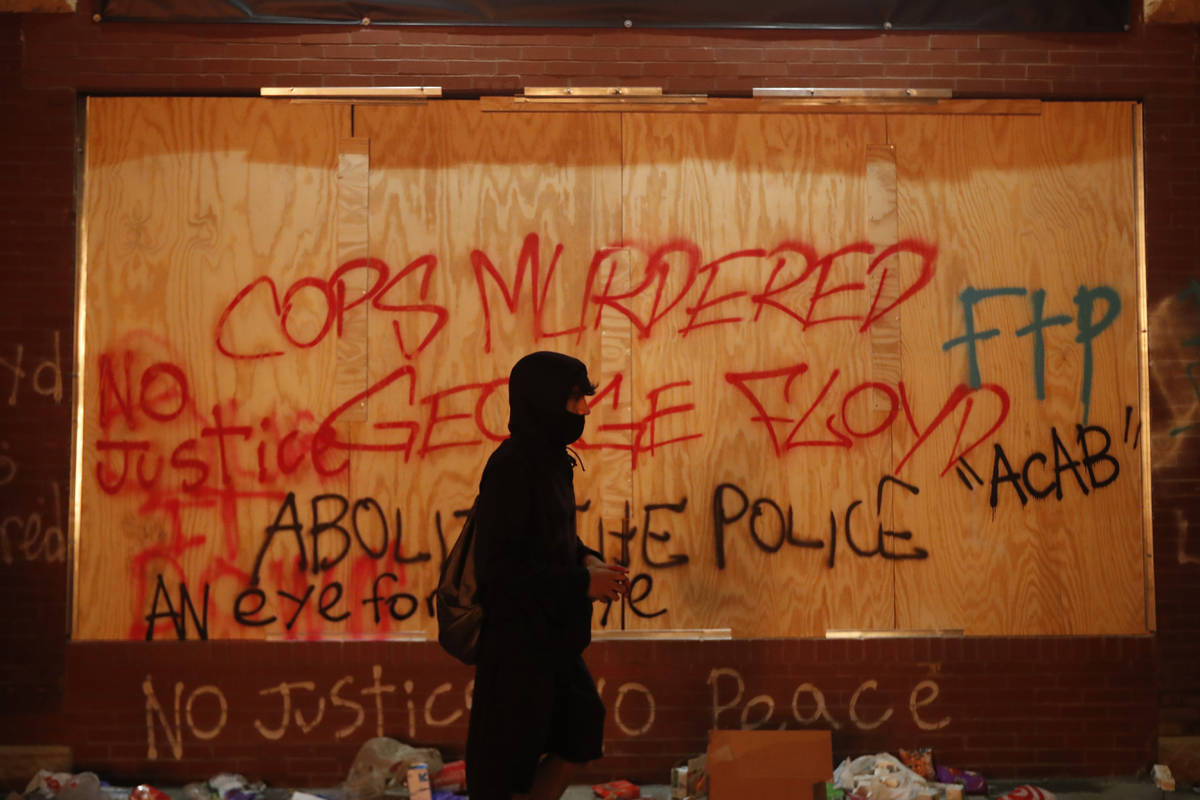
(949, 15)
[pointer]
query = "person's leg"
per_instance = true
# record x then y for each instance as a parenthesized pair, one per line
(552, 778)
(510, 717)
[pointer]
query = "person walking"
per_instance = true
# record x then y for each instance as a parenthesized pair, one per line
(535, 712)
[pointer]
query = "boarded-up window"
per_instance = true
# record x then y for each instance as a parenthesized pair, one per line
(856, 370)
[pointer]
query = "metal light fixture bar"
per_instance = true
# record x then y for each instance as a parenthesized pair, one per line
(669, 634)
(592, 95)
(592, 91)
(831, 93)
(351, 92)
(852, 633)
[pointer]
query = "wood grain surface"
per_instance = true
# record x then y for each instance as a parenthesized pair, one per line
(868, 371)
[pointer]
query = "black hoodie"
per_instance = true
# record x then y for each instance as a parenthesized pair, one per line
(528, 558)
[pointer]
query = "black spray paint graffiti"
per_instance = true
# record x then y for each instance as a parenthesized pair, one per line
(365, 516)
(337, 528)
(770, 528)
(1040, 475)
(641, 584)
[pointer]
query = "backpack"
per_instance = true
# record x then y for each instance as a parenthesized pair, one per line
(459, 614)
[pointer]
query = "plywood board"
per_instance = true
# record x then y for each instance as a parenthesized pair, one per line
(297, 342)
(1038, 529)
(209, 363)
(748, 235)
(481, 234)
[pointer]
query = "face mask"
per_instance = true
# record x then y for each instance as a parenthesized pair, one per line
(570, 427)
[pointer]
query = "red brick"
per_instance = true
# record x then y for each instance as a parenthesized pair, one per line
(948, 72)
(1003, 41)
(694, 54)
(742, 54)
(1050, 73)
(193, 50)
(374, 35)
(621, 69)
(1009, 71)
(886, 57)
(323, 38)
(905, 41)
(1073, 57)
(954, 41)
(445, 52)
(978, 86)
(561, 53)
(470, 68)
(933, 57)
(1025, 56)
(792, 55)
(488, 52)
(630, 53)
(980, 56)
(836, 56)
(908, 71)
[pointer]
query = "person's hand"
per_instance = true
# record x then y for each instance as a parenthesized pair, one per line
(607, 581)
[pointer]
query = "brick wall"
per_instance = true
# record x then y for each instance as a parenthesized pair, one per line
(37, 252)
(1040, 706)
(1011, 706)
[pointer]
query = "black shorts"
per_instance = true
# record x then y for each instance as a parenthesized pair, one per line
(525, 708)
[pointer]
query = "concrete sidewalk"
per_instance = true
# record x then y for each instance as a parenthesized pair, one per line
(1063, 789)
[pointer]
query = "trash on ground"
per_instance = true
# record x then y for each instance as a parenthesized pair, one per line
(225, 786)
(1163, 778)
(144, 791)
(689, 778)
(617, 790)
(418, 782)
(679, 775)
(697, 776)
(452, 777)
(972, 782)
(382, 764)
(880, 777)
(81, 786)
(919, 761)
(1028, 792)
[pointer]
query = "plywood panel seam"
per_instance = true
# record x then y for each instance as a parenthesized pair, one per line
(1139, 227)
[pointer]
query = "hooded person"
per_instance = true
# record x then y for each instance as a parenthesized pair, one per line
(535, 712)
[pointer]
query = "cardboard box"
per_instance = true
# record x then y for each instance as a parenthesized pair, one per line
(769, 765)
